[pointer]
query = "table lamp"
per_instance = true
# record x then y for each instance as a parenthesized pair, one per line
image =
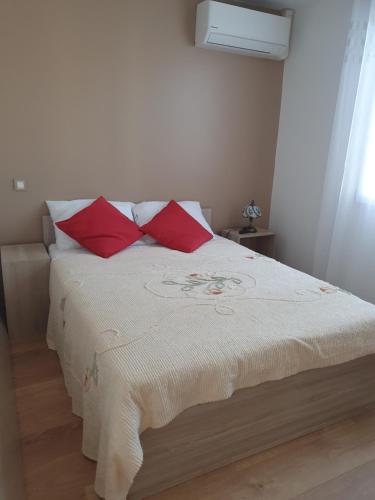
(251, 212)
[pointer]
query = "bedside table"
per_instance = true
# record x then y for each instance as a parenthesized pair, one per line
(262, 242)
(26, 288)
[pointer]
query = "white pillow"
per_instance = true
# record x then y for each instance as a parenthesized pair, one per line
(61, 210)
(145, 211)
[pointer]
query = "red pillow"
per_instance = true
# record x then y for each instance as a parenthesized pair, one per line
(174, 228)
(101, 228)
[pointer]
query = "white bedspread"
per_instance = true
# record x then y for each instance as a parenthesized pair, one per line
(150, 332)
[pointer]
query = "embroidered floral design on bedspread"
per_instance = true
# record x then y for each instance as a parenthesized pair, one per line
(256, 256)
(201, 285)
(91, 375)
(329, 289)
(212, 284)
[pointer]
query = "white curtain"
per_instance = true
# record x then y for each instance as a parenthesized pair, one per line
(345, 250)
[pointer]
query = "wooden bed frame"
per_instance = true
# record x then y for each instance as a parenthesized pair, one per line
(209, 436)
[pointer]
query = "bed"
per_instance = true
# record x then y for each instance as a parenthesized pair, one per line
(179, 364)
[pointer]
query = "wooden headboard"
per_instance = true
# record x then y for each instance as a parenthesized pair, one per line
(49, 232)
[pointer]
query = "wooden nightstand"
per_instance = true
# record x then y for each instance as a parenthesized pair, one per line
(26, 288)
(262, 242)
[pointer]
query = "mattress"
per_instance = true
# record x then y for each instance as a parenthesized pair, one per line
(151, 332)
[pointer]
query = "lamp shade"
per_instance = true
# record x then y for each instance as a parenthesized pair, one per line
(251, 211)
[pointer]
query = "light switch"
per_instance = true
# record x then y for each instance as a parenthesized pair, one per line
(19, 185)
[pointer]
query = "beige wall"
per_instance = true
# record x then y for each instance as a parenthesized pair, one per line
(111, 97)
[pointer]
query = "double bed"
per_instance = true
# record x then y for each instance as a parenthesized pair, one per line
(182, 363)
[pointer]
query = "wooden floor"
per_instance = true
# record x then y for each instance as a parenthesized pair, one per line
(337, 463)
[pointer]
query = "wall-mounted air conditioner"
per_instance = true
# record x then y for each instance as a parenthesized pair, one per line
(230, 28)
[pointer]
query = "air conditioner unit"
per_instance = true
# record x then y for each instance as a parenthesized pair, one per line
(230, 28)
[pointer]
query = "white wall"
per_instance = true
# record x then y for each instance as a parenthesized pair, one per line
(311, 81)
